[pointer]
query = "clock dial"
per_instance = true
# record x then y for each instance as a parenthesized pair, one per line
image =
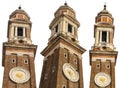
(19, 75)
(70, 72)
(102, 79)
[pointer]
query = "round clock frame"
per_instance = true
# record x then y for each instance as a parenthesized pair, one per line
(19, 75)
(70, 72)
(102, 79)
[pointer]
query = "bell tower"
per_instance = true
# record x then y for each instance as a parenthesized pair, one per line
(62, 65)
(103, 54)
(19, 52)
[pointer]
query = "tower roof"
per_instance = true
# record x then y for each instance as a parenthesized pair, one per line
(104, 17)
(19, 14)
(104, 12)
(65, 9)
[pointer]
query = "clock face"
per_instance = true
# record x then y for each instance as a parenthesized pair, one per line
(19, 75)
(102, 79)
(70, 72)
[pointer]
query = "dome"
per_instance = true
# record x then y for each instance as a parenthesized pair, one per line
(104, 12)
(19, 14)
(104, 16)
(65, 10)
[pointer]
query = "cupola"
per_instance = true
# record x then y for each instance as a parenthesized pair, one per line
(19, 27)
(20, 15)
(104, 17)
(104, 31)
(65, 10)
(65, 24)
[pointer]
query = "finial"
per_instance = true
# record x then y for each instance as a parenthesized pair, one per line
(105, 6)
(65, 3)
(19, 7)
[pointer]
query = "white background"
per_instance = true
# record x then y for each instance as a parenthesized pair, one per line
(42, 13)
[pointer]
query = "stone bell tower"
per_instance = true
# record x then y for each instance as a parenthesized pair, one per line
(103, 54)
(19, 52)
(62, 65)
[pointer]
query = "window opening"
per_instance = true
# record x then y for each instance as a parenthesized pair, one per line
(108, 66)
(20, 31)
(26, 61)
(64, 86)
(75, 61)
(65, 55)
(56, 28)
(70, 28)
(13, 60)
(98, 66)
(104, 36)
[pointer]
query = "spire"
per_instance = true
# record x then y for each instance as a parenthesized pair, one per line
(19, 7)
(65, 3)
(105, 6)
